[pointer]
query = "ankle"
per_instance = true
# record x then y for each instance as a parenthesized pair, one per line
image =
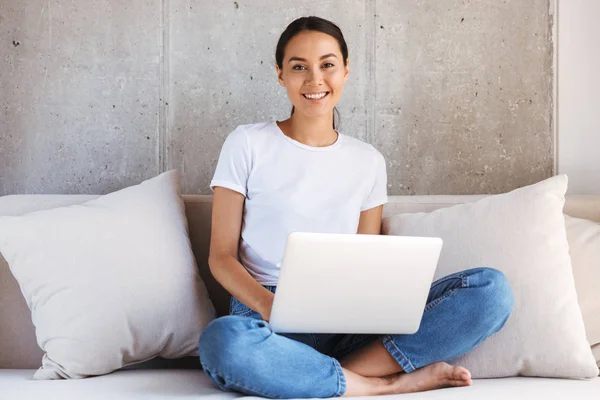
(358, 385)
(382, 384)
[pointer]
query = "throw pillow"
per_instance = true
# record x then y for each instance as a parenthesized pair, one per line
(521, 233)
(584, 248)
(596, 351)
(110, 282)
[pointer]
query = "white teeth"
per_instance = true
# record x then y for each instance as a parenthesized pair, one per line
(315, 96)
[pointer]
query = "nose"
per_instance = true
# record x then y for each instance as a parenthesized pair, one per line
(314, 77)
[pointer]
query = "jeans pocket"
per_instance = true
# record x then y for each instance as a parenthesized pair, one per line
(236, 307)
(437, 301)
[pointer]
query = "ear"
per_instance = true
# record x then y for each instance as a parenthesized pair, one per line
(279, 75)
(346, 70)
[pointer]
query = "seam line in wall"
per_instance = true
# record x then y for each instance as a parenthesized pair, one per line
(163, 105)
(371, 10)
(555, 106)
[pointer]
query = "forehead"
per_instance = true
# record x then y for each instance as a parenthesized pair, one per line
(312, 44)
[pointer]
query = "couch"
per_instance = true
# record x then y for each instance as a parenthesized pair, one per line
(165, 379)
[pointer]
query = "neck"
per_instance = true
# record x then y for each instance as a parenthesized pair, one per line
(311, 131)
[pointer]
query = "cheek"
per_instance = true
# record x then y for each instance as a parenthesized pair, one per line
(293, 86)
(337, 82)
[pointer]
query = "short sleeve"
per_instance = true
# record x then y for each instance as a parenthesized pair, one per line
(233, 167)
(378, 194)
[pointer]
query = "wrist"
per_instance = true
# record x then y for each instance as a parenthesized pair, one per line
(265, 306)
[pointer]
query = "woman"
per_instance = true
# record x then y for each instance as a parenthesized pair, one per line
(300, 174)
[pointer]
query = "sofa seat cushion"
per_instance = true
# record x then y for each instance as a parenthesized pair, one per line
(165, 384)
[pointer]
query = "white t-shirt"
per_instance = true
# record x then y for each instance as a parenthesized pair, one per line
(290, 186)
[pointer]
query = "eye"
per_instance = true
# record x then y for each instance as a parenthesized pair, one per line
(328, 65)
(298, 67)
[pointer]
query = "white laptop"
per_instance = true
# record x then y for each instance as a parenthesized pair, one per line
(351, 283)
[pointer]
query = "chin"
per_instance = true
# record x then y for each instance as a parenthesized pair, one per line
(315, 113)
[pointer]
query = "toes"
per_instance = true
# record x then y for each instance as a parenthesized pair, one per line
(461, 373)
(457, 383)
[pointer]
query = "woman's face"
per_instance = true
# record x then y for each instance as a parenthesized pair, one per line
(313, 73)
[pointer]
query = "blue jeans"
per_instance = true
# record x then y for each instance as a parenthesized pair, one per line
(241, 353)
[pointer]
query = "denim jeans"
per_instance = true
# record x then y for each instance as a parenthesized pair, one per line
(240, 352)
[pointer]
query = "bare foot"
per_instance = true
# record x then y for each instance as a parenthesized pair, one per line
(433, 376)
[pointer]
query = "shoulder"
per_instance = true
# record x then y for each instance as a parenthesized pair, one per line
(363, 149)
(265, 127)
(244, 134)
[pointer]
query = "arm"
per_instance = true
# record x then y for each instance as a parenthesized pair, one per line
(370, 221)
(228, 207)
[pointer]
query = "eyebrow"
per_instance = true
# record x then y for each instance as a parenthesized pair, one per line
(304, 59)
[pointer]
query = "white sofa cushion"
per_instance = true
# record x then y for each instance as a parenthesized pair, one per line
(584, 248)
(192, 384)
(110, 282)
(521, 233)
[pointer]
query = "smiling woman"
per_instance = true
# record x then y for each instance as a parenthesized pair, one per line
(302, 175)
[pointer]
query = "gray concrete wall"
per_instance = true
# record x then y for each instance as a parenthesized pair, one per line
(99, 95)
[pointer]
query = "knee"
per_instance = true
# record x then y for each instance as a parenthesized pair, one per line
(226, 337)
(495, 294)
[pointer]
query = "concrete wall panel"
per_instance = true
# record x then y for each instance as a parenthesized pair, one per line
(79, 95)
(463, 95)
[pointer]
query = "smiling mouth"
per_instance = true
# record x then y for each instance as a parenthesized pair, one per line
(315, 96)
